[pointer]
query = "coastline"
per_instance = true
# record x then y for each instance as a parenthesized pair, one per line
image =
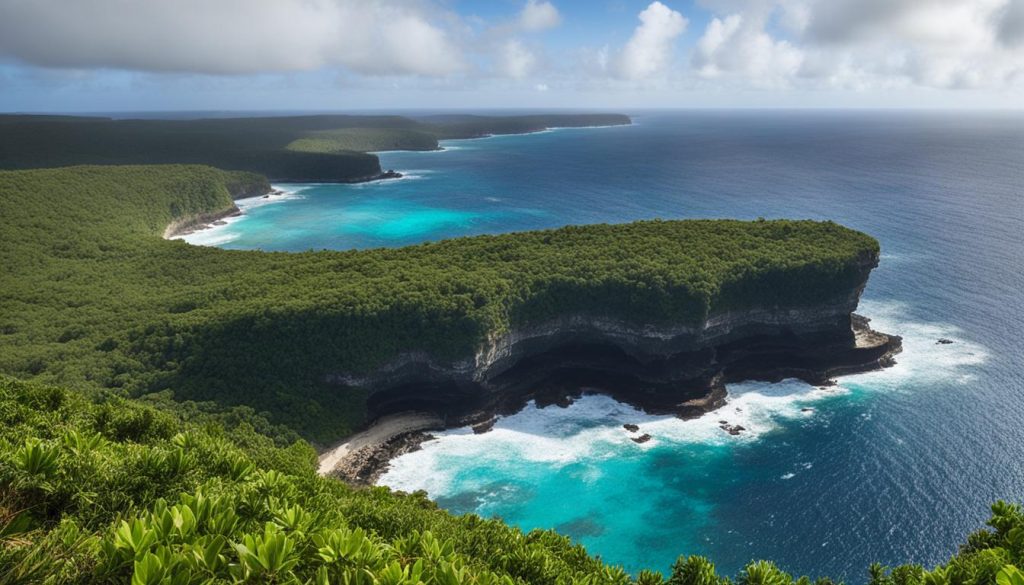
(183, 227)
(363, 457)
(187, 226)
(207, 221)
(545, 130)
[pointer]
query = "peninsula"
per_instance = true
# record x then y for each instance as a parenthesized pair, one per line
(658, 313)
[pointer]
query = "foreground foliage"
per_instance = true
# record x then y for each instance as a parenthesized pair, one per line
(107, 490)
(93, 297)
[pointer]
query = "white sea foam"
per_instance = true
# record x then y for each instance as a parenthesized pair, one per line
(591, 429)
(411, 175)
(217, 235)
(447, 146)
(922, 359)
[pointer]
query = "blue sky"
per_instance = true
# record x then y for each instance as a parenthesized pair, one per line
(130, 55)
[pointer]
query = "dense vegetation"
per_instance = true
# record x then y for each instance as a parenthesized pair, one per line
(364, 140)
(116, 476)
(107, 490)
(295, 148)
(92, 296)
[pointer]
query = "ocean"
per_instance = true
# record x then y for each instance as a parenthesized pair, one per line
(893, 466)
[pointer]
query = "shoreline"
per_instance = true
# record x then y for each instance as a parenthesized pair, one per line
(363, 457)
(545, 130)
(207, 221)
(188, 226)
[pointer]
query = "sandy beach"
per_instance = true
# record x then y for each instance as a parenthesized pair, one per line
(364, 445)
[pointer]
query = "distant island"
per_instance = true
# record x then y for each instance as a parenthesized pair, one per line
(327, 148)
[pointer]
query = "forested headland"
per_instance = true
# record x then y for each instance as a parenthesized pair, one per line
(328, 148)
(94, 297)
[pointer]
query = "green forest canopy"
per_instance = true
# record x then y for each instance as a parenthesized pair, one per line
(94, 297)
(328, 148)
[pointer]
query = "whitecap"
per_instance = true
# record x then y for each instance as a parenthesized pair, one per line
(217, 235)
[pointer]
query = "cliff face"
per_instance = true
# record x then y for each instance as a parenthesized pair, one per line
(663, 368)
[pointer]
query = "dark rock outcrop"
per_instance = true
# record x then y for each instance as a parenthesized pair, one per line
(365, 466)
(731, 429)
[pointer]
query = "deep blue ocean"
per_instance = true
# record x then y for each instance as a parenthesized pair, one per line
(894, 466)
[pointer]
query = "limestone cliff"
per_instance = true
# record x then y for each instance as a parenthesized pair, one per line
(663, 368)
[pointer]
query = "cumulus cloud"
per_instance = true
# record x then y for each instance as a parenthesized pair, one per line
(539, 15)
(650, 49)
(794, 45)
(928, 22)
(934, 43)
(227, 36)
(738, 45)
(863, 44)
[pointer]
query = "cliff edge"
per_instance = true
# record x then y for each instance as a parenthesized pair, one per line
(665, 368)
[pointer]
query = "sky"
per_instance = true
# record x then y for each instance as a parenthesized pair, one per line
(326, 55)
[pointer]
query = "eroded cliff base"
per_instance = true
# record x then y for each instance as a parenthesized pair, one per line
(686, 384)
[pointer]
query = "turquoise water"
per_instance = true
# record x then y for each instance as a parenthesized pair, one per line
(892, 466)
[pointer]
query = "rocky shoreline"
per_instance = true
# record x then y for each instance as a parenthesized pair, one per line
(199, 222)
(864, 350)
(365, 466)
(204, 221)
(362, 458)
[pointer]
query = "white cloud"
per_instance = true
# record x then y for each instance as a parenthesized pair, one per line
(738, 46)
(863, 44)
(227, 36)
(795, 46)
(516, 61)
(539, 15)
(931, 43)
(650, 49)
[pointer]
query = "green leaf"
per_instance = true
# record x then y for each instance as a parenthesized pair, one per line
(148, 570)
(1010, 575)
